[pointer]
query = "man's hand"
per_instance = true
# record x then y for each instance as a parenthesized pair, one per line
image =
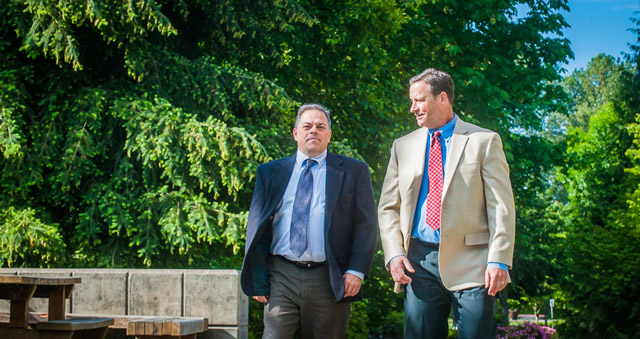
(351, 284)
(495, 279)
(260, 298)
(398, 266)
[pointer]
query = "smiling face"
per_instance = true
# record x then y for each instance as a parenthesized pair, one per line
(312, 132)
(431, 111)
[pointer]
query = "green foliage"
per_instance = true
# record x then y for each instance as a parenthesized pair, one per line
(592, 87)
(601, 245)
(357, 327)
(385, 311)
(13, 106)
(25, 238)
(139, 152)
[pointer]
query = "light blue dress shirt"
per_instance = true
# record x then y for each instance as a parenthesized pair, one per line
(315, 232)
(282, 217)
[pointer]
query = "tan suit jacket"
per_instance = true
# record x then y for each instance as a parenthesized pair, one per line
(478, 210)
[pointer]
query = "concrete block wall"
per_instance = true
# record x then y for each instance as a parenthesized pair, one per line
(213, 294)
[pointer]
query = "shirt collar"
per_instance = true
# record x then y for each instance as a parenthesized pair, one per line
(320, 159)
(447, 130)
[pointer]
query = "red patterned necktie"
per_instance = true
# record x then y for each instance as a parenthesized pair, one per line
(434, 197)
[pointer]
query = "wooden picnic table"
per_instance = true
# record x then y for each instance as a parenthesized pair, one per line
(20, 289)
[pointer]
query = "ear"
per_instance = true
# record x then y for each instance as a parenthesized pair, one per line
(443, 97)
(295, 134)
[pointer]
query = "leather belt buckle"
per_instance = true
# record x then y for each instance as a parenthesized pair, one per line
(302, 264)
(308, 264)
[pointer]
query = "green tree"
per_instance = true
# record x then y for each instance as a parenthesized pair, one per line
(592, 87)
(599, 236)
(122, 131)
(601, 246)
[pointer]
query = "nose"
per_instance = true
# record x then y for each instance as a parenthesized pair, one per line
(413, 108)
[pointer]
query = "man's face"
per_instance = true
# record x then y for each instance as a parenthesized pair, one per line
(426, 107)
(312, 132)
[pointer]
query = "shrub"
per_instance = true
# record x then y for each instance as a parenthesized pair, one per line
(526, 330)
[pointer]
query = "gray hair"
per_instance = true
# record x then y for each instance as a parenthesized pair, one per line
(310, 106)
(438, 80)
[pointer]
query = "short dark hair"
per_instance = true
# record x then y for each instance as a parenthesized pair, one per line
(438, 80)
(309, 106)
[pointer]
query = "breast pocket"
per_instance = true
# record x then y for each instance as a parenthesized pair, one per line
(470, 169)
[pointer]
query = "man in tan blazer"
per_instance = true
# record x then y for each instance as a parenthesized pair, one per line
(447, 216)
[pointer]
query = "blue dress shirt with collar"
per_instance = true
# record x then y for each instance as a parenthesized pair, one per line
(282, 218)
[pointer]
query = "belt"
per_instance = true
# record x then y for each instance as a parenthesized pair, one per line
(302, 264)
(432, 245)
(428, 244)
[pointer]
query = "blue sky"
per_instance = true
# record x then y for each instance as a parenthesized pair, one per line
(599, 26)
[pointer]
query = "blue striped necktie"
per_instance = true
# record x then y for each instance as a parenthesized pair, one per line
(300, 214)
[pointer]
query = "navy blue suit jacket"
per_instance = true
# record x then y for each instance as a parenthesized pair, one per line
(350, 226)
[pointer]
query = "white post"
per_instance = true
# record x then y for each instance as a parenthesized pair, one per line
(551, 303)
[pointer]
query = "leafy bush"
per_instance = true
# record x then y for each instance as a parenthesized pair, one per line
(526, 330)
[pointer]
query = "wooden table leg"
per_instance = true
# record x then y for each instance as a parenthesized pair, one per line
(57, 302)
(20, 297)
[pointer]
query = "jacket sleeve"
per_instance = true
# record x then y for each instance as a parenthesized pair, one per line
(255, 275)
(500, 204)
(365, 224)
(389, 211)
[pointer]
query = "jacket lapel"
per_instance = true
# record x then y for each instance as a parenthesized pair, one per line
(458, 143)
(335, 173)
(280, 175)
(419, 149)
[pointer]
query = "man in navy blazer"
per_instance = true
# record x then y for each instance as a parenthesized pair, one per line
(311, 290)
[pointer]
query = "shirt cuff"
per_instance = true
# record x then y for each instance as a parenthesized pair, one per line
(498, 265)
(394, 258)
(356, 273)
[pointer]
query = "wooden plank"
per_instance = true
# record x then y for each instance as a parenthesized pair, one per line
(23, 279)
(77, 324)
(153, 326)
(168, 324)
(16, 291)
(155, 329)
(158, 326)
(180, 327)
(139, 327)
(131, 327)
(57, 304)
(19, 309)
(33, 317)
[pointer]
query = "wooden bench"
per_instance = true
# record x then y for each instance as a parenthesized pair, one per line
(212, 294)
(77, 328)
(135, 325)
(156, 327)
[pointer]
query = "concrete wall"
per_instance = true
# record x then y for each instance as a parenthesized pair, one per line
(213, 294)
